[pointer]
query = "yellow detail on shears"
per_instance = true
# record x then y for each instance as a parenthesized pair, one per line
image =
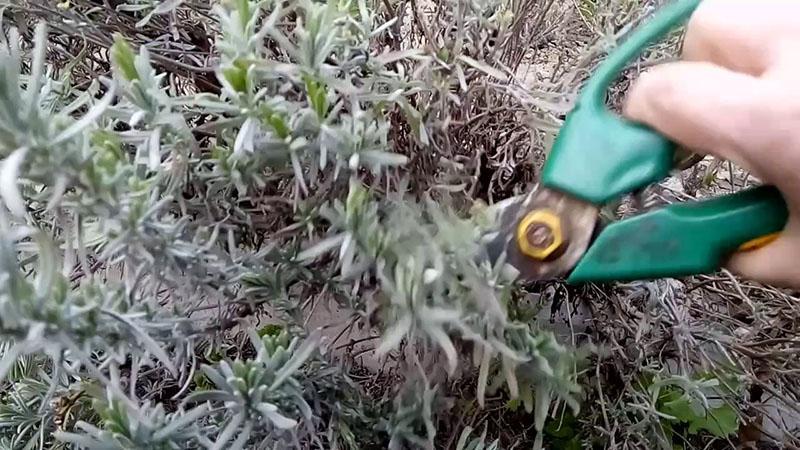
(759, 242)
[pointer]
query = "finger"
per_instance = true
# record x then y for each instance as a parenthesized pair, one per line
(775, 263)
(700, 106)
(740, 34)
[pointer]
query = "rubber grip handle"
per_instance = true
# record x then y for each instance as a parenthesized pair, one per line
(598, 155)
(684, 238)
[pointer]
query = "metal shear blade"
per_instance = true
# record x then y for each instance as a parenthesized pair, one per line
(543, 234)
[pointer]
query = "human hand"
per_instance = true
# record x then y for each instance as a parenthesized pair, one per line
(735, 95)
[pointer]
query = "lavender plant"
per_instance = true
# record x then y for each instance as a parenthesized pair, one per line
(108, 187)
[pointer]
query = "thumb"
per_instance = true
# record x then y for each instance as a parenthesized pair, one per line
(699, 106)
(776, 263)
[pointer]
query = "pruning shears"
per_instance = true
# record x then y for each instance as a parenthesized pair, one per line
(598, 156)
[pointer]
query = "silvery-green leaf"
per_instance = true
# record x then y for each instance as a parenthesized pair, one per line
(321, 247)
(37, 66)
(89, 428)
(145, 69)
(59, 188)
(542, 396)
(9, 174)
(347, 244)
(303, 406)
(443, 340)
(279, 420)
(137, 118)
(167, 6)
(244, 436)
(451, 187)
(483, 374)
(177, 423)
(298, 358)
(298, 144)
(151, 345)
(383, 27)
(511, 378)
(423, 135)
(347, 254)
(483, 67)
(145, 20)
(132, 7)
(383, 158)
(227, 432)
(462, 440)
(395, 96)
(389, 57)
(154, 149)
(9, 358)
(323, 152)
(392, 337)
(89, 118)
(298, 172)
(81, 441)
(477, 354)
(462, 80)
(48, 262)
(284, 43)
(81, 99)
(245, 138)
(440, 315)
(506, 351)
(526, 395)
(543, 365)
(353, 162)
(208, 396)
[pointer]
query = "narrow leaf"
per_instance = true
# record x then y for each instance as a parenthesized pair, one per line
(214, 376)
(80, 441)
(207, 396)
(483, 67)
(93, 114)
(383, 158)
(483, 374)
(244, 435)
(122, 56)
(180, 422)
(154, 149)
(511, 378)
(321, 247)
(298, 359)
(9, 174)
(151, 345)
(462, 440)
(227, 432)
(279, 420)
(394, 335)
(245, 138)
(542, 398)
(9, 358)
(37, 66)
(447, 346)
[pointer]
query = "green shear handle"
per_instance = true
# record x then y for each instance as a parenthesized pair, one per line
(599, 156)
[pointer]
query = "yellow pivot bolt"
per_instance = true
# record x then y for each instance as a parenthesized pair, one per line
(539, 234)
